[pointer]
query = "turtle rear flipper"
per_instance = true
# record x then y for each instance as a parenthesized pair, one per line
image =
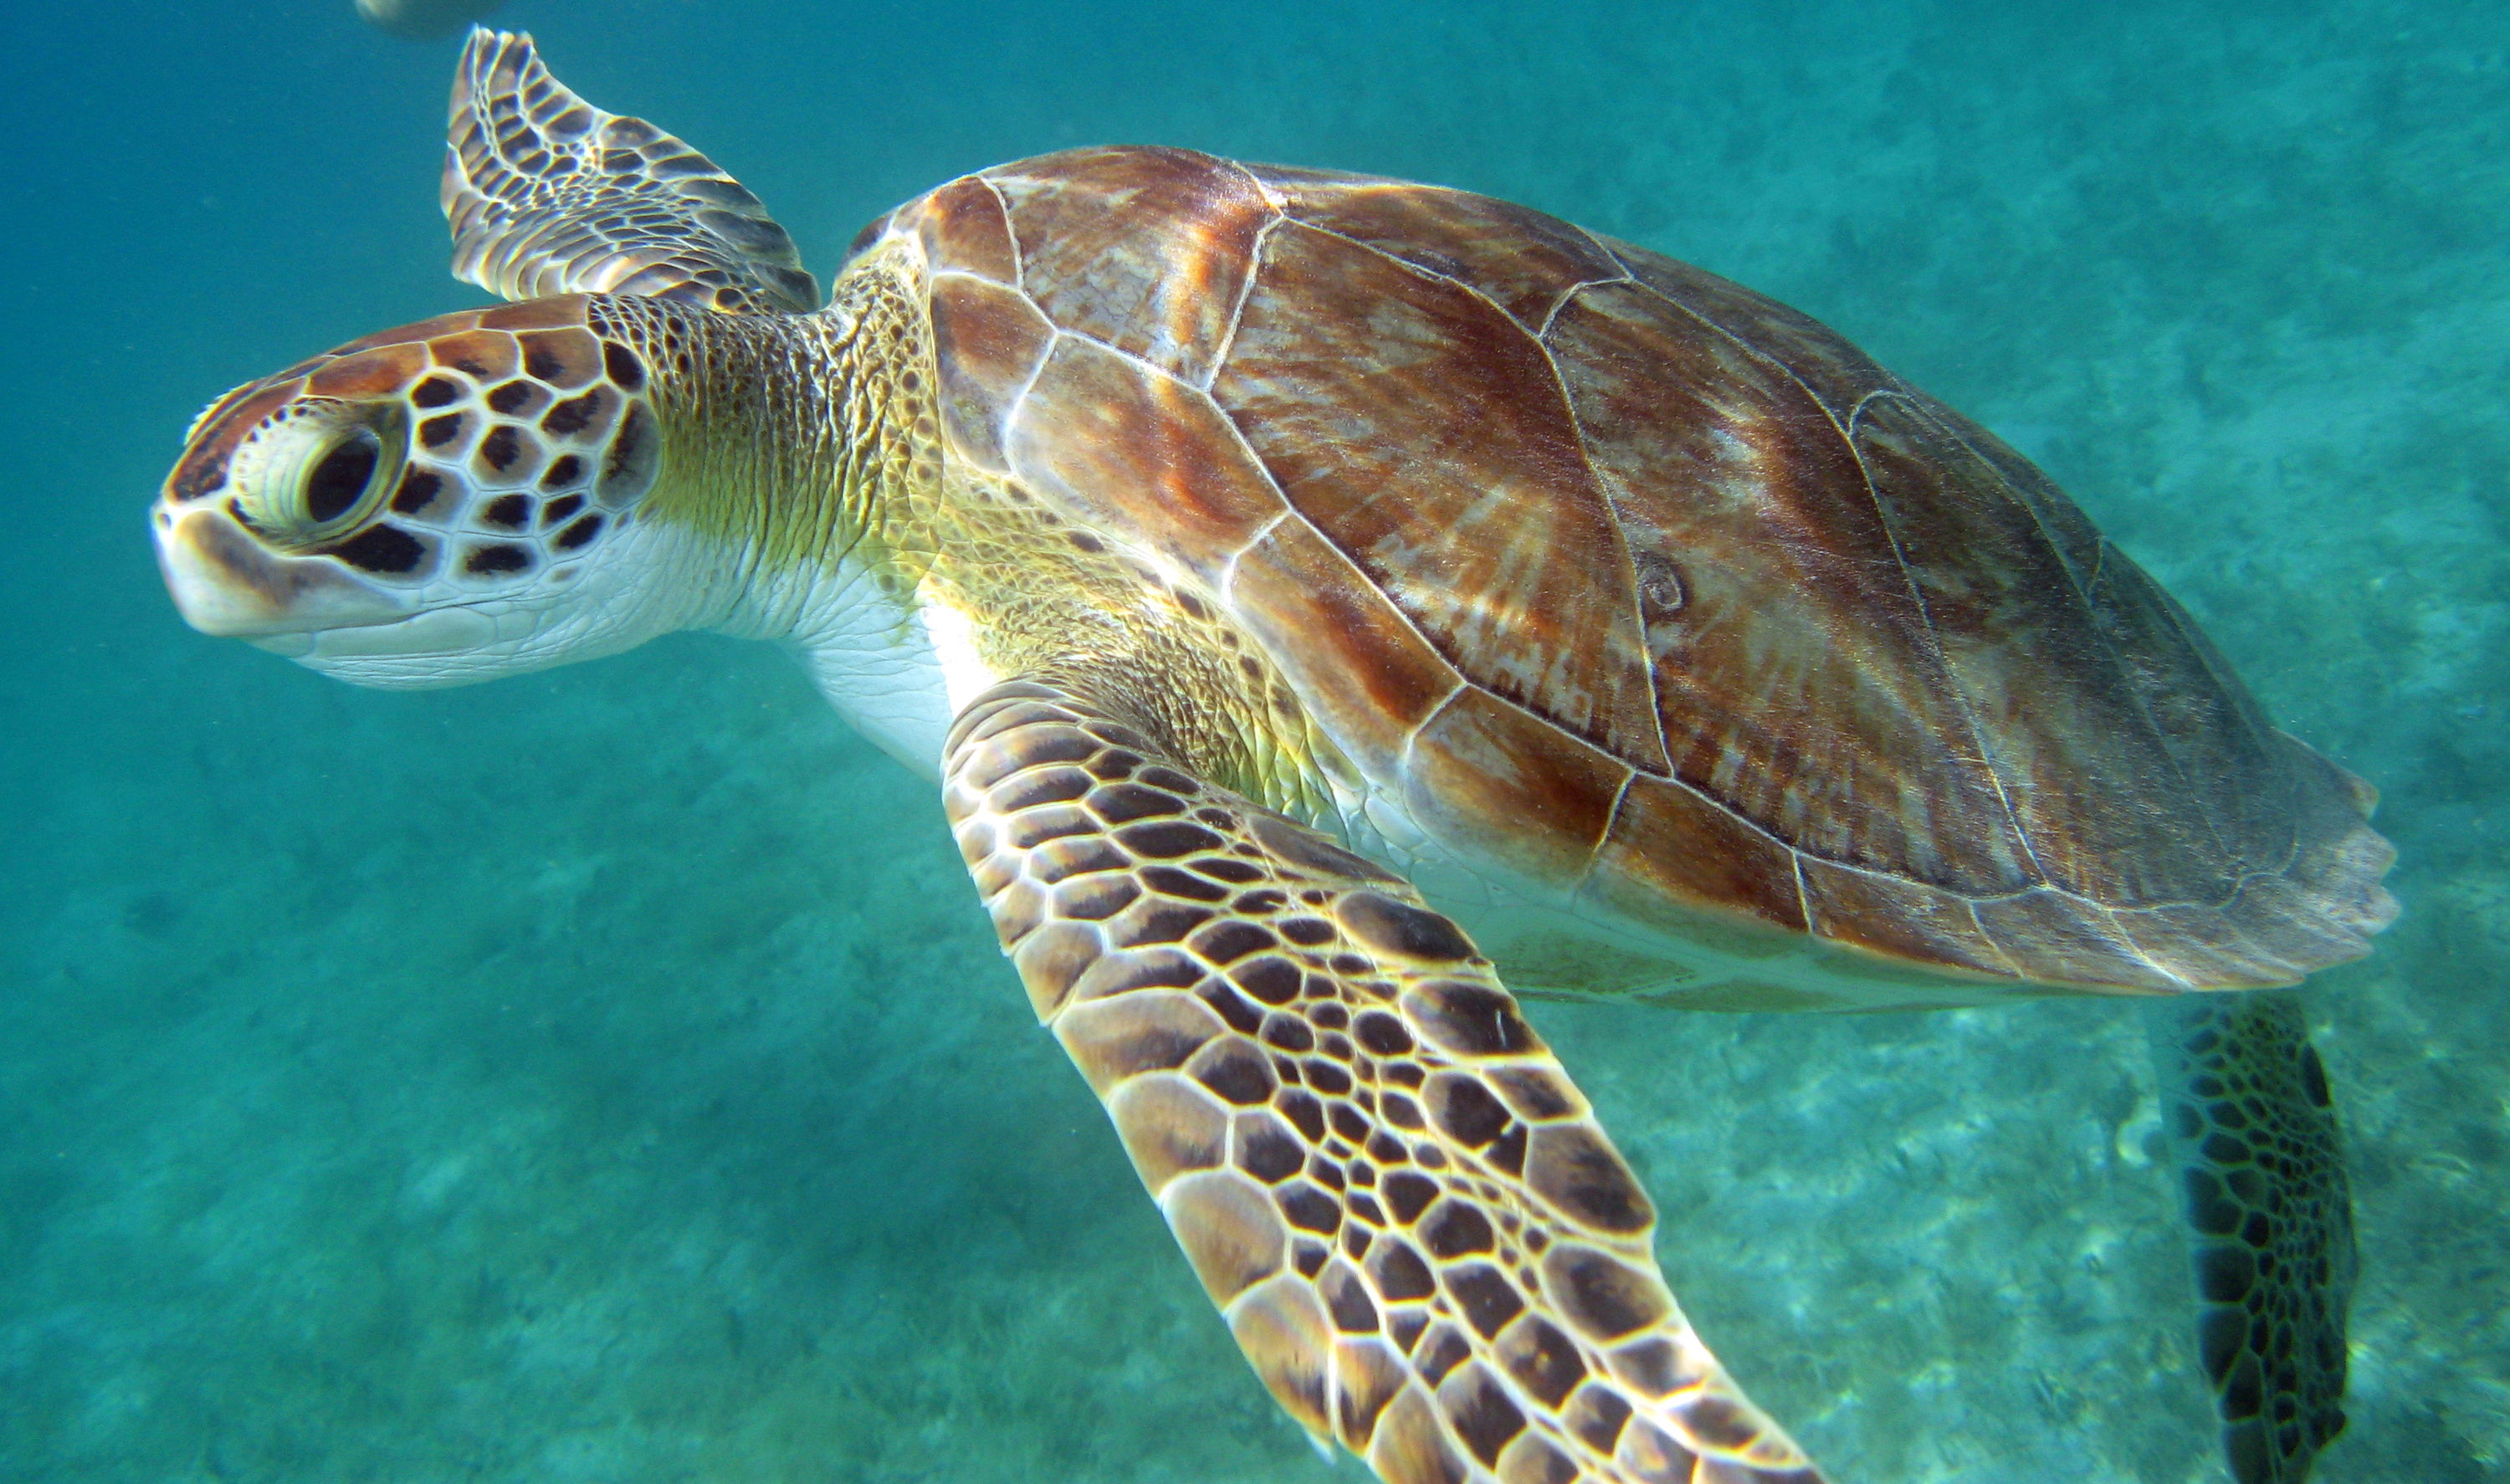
(547, 194)
(2270, 1219)
(1408, 1215)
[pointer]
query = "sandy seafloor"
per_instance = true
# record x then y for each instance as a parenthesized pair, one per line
(606, 1075)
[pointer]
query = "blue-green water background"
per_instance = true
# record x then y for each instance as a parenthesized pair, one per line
(606, 1075)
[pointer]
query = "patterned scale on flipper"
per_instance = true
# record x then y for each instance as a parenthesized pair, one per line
(1408, 1215)
(2270, 1219)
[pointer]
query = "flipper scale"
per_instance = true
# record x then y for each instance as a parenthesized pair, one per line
(547, 194)
(2270, 1222)
(1405, 1212)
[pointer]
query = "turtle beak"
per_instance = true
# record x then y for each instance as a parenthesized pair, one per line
(226, 583)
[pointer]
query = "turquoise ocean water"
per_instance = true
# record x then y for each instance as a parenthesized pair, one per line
(606, 1075)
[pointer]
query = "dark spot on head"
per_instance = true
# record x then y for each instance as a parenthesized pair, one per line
(489, 560)
(436, 392)
(1086, 542)
(380, 549)
(501, 447)
(573, 414)
(512, 398)
(579, 533)
(339, 478)
(542, 362)
(437, 432)
(418, 490)
(623, 366)
(565, 471)
(511, 511)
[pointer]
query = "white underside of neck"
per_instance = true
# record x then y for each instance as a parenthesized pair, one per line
(897, 672)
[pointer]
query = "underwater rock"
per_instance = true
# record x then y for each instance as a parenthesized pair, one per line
(423, 19)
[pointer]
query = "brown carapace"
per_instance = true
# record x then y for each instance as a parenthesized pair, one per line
(1648, 584)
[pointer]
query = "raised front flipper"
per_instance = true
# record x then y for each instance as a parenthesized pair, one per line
(547, 194)
(2270, 1215)
(1407, 1214)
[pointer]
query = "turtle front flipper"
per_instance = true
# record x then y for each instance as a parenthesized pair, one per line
(547, 194)
(2270, 1216)
(1409, 1217)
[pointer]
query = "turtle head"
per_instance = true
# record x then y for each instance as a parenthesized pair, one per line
(442, 503)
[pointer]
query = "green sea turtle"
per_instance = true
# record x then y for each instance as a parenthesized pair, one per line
(1256, 557)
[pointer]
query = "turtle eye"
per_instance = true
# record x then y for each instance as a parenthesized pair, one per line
(318, 469)
(339, 481)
